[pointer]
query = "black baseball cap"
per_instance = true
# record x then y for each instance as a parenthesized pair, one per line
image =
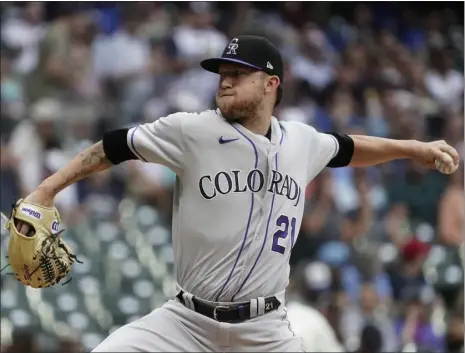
(254, 52)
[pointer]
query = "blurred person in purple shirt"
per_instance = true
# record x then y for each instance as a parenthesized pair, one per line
(415, 327)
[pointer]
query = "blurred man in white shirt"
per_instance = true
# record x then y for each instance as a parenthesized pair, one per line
(308, 322)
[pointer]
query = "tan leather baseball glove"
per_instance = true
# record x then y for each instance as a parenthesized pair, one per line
(42, 259)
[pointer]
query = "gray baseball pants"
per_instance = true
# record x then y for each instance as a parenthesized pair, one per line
(175, 328)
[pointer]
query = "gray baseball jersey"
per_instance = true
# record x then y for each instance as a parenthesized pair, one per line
(239, 198)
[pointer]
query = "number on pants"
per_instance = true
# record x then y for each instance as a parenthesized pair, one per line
(282, 233)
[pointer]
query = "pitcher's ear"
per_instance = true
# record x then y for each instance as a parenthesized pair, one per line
(272, 83)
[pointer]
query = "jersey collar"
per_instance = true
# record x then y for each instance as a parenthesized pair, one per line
(277, 134)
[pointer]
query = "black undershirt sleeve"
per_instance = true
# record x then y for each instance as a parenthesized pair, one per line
(115, 146)
(345, 152)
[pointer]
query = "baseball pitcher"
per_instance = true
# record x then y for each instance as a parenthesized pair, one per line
(238, 205)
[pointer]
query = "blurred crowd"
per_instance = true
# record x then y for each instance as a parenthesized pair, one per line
(365, 256)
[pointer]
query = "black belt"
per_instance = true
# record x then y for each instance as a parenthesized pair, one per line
(229, 313)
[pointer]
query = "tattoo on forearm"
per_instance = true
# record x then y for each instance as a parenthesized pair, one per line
(91, 160)
(94, 157)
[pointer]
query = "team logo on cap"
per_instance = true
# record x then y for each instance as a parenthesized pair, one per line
(232, 47)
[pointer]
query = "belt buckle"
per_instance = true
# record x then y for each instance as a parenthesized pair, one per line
(215, 314)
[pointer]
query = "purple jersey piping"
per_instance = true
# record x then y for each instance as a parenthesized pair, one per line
(267, 227)
(134, 147)
(248, 221)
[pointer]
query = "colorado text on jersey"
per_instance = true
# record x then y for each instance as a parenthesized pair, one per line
(224, 183)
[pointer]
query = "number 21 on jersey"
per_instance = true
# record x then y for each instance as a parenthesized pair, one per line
(283, 222)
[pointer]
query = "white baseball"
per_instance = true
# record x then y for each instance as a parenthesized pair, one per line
(446, 164)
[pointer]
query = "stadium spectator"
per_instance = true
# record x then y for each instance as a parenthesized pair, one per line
(452, 211)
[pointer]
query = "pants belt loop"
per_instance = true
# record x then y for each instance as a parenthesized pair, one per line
(261, 306)
(253, 308)
(188, 300)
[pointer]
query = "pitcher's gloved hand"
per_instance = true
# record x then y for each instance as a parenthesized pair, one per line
(37, 254)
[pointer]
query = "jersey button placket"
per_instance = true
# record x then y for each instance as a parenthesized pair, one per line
(264, 213)
(252, 244)
(266, 202)
(255, 243)
(252, 249)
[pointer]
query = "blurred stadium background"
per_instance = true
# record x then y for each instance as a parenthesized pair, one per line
(378, 249)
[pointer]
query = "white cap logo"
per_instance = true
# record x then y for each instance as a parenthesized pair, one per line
(232, 47)
(269, 66)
